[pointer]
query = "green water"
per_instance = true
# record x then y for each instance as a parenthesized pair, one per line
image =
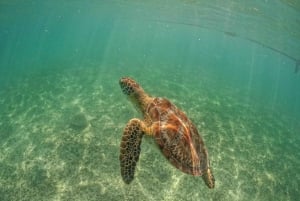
(228, 64)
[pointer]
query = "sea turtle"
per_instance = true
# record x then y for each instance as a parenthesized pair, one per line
(175, 135)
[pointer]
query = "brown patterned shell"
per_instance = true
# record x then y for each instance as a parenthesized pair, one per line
(177, 137)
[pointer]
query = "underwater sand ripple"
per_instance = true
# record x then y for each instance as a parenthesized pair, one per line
(43, 157)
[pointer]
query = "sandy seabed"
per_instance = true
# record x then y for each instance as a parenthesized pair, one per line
(60, 132)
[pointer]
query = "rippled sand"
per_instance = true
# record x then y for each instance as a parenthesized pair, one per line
(60, 132)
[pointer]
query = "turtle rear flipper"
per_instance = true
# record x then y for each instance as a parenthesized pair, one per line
(208, 178)
(130, 148)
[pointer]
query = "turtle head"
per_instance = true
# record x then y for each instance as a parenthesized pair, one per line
(135, 93)
(129, 86)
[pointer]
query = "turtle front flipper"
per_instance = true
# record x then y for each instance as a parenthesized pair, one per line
(130, 148)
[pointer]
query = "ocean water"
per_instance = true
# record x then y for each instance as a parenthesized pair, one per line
(229, 65)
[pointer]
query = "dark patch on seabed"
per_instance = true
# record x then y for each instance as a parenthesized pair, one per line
(60, 136)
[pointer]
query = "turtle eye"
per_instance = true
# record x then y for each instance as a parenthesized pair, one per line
(128, 86)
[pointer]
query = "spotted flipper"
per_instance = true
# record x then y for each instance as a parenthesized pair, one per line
(130, 148)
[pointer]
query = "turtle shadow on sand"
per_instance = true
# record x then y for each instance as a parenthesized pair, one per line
(79, 121)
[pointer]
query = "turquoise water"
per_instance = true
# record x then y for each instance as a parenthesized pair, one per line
(230, 65)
